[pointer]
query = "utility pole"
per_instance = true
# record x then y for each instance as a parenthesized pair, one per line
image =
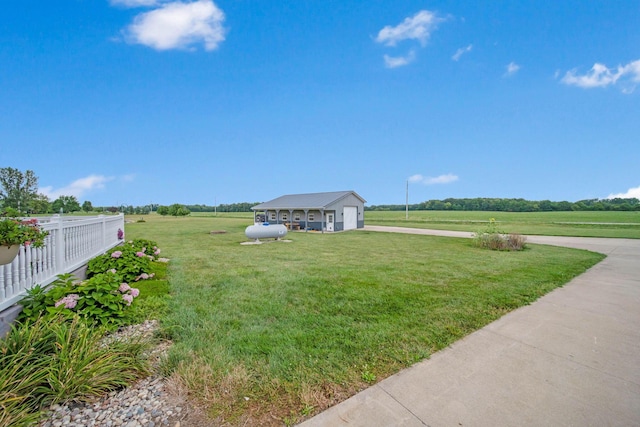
(406, 215)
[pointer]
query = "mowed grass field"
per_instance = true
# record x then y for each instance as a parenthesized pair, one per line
(271, 334)
(580, 224)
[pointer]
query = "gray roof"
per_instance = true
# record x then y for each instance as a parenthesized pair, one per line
(306, 201)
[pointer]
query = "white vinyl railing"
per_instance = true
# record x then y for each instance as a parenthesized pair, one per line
(71, 243)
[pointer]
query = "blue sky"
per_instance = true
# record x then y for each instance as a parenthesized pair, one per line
(140, 101)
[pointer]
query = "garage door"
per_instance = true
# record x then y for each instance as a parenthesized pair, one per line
(350, 217)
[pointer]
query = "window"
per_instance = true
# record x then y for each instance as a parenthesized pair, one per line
(310, 217)
(296, 216)
(273, 216)
(285, 217)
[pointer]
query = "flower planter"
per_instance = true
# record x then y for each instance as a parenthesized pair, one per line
(8, 253)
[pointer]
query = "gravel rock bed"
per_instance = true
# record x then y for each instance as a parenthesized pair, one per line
(147, 403)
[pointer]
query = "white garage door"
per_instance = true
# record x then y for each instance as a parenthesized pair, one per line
(350, 217)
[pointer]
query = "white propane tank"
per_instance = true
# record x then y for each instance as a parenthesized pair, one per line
(265, 231)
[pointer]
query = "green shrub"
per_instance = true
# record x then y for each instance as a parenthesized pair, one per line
(83, 367)
(149, 247)
(50, 361)
(125, 260)
(494, 239)
(35, 303)
(103, 299)
(23, 372)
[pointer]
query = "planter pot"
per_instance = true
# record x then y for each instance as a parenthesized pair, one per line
(8, 253)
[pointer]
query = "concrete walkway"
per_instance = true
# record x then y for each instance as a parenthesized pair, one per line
(572, 358)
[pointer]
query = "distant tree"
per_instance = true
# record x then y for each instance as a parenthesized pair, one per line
(40, 205)
(162, 210)
(87, 206)
(142, 210)
(66, 203)
(18, 190)
(178, 210)
(233, 207)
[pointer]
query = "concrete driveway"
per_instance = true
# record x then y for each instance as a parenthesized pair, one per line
(572, 358)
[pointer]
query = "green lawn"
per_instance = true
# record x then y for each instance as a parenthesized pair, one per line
(272, 333)
(582, 224)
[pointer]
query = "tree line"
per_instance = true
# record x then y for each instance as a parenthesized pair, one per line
(515, 205)
(19, 191)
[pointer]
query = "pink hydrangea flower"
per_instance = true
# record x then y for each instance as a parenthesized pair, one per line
(113, 271)
(140, 254)
(69, 301)
(135, 292)
(156, 252)
(143, 276)
(124, 287)
(128, 298)
(116, 254)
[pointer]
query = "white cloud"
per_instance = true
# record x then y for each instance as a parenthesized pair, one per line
(456, 56)
(602, 76)
(134, 3)
(512, 68)
(178, 25)
(630, 194)
(77, 188)
(427, 180)
(399, 61)
(417, 27)
(599, 76)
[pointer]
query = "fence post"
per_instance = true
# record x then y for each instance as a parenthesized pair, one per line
(103, 220)
(60, 249)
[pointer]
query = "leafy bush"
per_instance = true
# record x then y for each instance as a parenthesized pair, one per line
(125, 260)
(83, 367)
(494, 239)
(149, 247)
(34, 304)
(49, 361)
(102, 299)
(132, 260)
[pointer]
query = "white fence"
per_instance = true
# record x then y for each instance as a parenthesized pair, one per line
(71, 243)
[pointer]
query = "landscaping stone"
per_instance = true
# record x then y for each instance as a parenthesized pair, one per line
(147, 403)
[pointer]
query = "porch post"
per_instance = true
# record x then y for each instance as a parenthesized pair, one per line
(306, 220)
(322, 224)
